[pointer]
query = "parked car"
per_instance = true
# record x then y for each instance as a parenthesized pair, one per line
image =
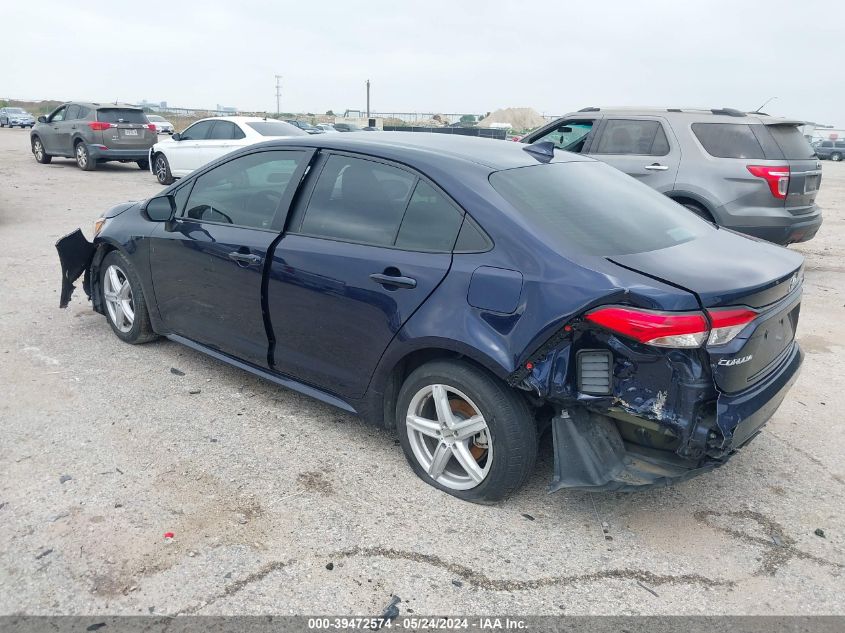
(833, 150)
(305, 127)
(93, 133)
(346, 127)
(326, 127)
(208, 139)
(752, 173)
(468, 293)
(16, 116)
(163, 126)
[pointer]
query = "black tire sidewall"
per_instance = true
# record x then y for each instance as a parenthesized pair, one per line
(45, 158)
(135, 333)
(511, 428)
(90, 163)
(168, 177)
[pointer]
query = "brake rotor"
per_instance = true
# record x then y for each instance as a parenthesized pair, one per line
(463, 408)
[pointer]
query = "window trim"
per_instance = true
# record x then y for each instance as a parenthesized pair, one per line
(314, 176)
(211, 121)
(279, 217)
(661, 122)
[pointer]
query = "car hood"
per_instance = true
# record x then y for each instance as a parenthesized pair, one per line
(722, 268)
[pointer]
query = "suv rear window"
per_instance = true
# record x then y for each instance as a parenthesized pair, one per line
(121, 115)
(728, 140)
(596, 209)
(791, 142)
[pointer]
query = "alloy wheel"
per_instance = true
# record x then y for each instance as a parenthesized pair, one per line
(39, 150)
(81, 156)
(161, 169)
(117, 293)
(449, 437)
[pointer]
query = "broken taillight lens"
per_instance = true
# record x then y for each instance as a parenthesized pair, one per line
(663, 329)
(777, 177)
(727, 323)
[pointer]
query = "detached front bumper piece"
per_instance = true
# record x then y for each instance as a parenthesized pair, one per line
(75, 255)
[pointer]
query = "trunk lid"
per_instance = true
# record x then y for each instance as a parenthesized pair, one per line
(805, 170)
(724, 269)
(129, 128)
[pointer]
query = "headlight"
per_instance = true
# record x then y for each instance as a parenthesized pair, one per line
(99, 223)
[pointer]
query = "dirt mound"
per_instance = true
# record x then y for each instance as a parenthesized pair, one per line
(515, 118)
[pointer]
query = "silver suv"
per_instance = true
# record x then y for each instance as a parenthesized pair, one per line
(93, 133)
(749, 172)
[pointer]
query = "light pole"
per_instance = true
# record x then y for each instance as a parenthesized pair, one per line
(368, 101)
(278, 92)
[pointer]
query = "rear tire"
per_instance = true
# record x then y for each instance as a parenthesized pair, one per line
(143, 164)
(836, 156)
(162, 169)
(124, 301)
(41, 155)
(504, 451)
(700, 211)
(83, 157)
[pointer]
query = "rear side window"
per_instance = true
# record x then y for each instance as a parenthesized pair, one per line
(840, 143)
(358, 200)
(197, 132)
(791, 142)
(121, 115)
(276, 128)
(431, 223)
(595, 209)
(728, 140)
(222, 131)
(72, 113)
(631, 136)
(827, 143)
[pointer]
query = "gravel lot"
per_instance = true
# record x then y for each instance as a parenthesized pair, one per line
(280, 504)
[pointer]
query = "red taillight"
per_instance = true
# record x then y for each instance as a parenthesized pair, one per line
(777, 177)
(99, 126)
(674, 329)
(151, 127)
(727, 323)
(663, 329)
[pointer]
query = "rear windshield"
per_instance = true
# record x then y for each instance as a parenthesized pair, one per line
(791, 142)
(595, 209)
(276, 128)
(121, 115)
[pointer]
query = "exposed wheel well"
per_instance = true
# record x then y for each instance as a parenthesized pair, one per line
(684, 200)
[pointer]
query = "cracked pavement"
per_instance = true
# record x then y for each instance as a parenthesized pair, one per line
(279, 504)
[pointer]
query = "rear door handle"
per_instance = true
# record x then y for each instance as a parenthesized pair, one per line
(657, 167)
(390, 280)
(245, 258)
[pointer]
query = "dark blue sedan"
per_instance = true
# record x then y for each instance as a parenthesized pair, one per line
(470, 293)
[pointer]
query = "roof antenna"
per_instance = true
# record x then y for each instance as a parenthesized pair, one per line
(765, 103)
(544, 151)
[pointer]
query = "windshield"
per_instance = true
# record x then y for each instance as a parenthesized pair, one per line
(595, 209)
(276, 128)
(15, 111)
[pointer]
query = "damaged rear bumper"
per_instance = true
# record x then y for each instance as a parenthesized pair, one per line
(592, 454)
(75, 256)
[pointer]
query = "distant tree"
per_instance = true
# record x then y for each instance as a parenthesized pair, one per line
(329, 113)
(468, 118)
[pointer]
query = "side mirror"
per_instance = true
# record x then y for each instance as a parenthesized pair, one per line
(161, 209)
(176, 136)
(42, 119)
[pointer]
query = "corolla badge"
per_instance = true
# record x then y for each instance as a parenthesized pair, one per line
(793, 282)
(730, 362)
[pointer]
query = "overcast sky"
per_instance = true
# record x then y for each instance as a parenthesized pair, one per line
(432, 56)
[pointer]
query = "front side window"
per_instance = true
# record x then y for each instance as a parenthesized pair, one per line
(197, 132)
(358, 200)
(245, 191)
(595, 209)
(728, 140)
(58, 115)
(569, 136)
(633, 136)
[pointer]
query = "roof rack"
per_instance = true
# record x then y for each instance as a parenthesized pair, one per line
(590, 109)
(728, 111)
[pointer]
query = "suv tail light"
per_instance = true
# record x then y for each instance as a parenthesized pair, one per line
(673, 329)
(777, 177)
(99, 126)
(151, 127)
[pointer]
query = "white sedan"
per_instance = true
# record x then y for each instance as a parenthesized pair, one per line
(209, 139)
(163, 126)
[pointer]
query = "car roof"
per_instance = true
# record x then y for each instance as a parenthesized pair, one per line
(421, 148)
(711, 115)
(101, 106)
(241, 119)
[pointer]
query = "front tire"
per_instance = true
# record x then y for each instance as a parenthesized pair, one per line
(83, 157)
(465, 432)
(41, 155)
(124, 301)
(143, 164)
(162, 170)
(836, 156)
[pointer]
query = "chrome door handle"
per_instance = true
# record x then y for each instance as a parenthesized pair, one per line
(657, 167)
(390, 280)
(245, 258)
